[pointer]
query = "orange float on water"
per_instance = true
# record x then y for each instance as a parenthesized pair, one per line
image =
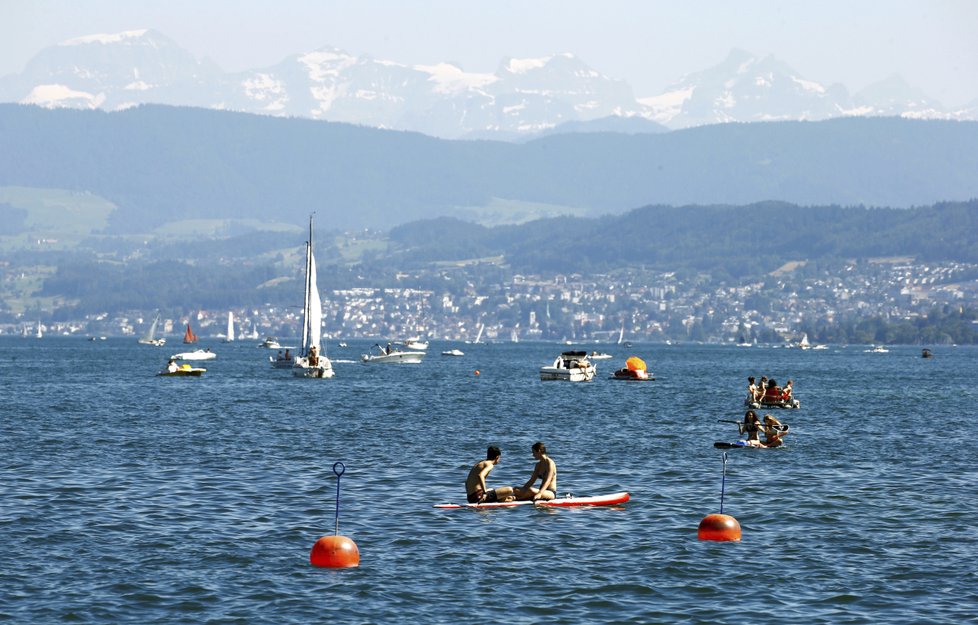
(719, 527)
(477, 372)
(335, 552)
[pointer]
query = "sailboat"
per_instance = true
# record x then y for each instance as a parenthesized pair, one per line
(478, 337)
(189, 336)
(38, 334)
(621, 334)
(310, 363)
(229, 337)
(150, 337)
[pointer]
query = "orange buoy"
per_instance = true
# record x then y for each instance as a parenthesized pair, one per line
(477, 372)
(335, 552)
(719, 527)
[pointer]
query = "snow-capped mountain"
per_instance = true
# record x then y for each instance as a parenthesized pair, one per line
(523, 97)
(745, 88)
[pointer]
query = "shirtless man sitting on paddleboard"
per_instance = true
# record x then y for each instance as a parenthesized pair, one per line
(546, 471)
(475, 483)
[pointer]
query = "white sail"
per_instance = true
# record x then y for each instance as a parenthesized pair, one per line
(230, 333)
(478, 337)
(315, 320)
(151, 333)
(621, 334)
(312, 324)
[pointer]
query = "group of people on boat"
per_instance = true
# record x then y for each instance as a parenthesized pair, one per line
(544, 470)
(772, 429)
(768, 393)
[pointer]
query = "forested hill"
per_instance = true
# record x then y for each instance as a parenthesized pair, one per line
(159, 164)
(742, 240)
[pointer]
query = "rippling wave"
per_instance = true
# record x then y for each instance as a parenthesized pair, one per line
(131, 498)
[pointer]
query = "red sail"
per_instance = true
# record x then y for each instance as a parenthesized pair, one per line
(189, 336)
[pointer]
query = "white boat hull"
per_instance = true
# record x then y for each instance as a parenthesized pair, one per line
(394, 358)
(195, 355)
(575, 374)
(302, 369)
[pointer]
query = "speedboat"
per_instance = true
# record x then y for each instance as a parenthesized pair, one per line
(415, 344)
(877, 349)
(570, 367)
(393, 356)
(599, 356)
(453, 352)
(197, 354)
(270, 342)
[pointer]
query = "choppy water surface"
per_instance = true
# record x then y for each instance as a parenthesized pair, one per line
(131, 498)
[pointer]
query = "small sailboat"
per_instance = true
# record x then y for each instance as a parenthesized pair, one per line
(478, 336)
(150, 337)
(229, 337)
(310, 363)
(621, 334)
(38, 333)
(189, 336)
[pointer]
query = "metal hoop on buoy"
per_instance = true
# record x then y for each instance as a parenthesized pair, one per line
(339, 473)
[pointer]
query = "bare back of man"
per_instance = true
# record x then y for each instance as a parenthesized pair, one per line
(476, 490)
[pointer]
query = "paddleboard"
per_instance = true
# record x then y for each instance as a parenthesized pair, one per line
(734, 445)
(560, 502)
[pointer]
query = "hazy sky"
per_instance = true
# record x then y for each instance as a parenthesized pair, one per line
(933, 44)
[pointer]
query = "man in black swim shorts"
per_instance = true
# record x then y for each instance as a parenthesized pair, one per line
(475, 483)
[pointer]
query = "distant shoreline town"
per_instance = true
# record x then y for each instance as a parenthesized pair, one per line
(895, 301)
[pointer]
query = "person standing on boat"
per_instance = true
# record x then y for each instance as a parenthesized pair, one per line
(172, 366)
(313, 356)
(546, 471)
(475, 483)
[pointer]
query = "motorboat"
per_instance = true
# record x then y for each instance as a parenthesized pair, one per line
(197, 354)
(453, 352)
(282, 361)
(270, 342)
(311, 362)
(570, 367)
(877, 349)
(599, 356)
(415, 344)
(635, 370)
(392, 355)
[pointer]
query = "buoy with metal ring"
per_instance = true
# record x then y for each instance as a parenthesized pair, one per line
(720, 527)
(335, 552)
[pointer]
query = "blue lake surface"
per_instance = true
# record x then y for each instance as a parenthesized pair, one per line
(126, 497)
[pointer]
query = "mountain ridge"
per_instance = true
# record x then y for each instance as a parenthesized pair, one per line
(158, 164)
(521, 98)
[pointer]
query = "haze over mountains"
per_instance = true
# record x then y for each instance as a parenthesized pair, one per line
(522, 98)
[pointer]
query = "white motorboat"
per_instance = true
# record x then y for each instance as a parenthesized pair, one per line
(599, 356)
(197, 354)
(415, 344)
(877, 349)
(150, 337)
(282, 361)
(453, 352)
(270, 342)
(570, 367)
(393, 356)
(311, 363)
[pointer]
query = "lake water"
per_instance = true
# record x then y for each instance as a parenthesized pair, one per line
(126, 497)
